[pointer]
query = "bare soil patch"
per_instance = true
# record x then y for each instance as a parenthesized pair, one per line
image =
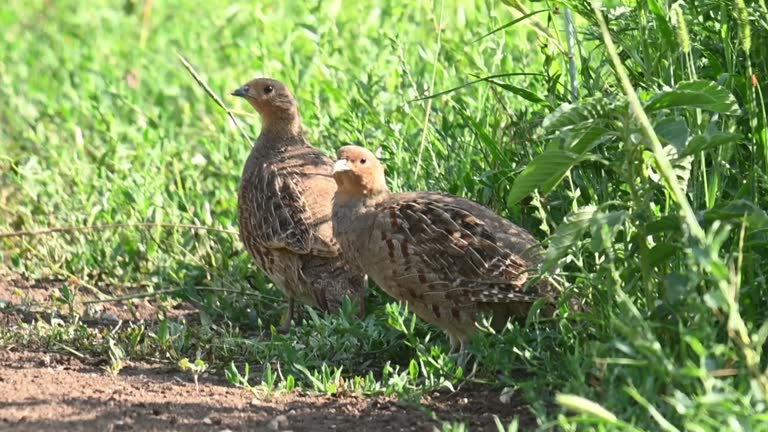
(38, 295)
(46, 391)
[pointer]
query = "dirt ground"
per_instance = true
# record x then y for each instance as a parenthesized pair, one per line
(46, 391)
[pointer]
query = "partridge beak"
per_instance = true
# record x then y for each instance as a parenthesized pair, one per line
(241, 92)
(340, 166)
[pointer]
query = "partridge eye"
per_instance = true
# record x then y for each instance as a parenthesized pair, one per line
(363, 161)
(268, 89)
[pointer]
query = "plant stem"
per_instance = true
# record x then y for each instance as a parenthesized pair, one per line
(665, 167)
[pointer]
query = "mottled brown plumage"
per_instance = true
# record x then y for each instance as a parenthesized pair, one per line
(449, 258)
(284, 207)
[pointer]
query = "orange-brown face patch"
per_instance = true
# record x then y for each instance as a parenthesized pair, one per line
(363, 176)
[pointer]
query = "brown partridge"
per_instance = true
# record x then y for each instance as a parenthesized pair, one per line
(449, 258)
(284, 207)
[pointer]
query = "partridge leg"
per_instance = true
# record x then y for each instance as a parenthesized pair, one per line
(455, 344)
(459, 350)
(286, 327)
(463, 354)
(361, 298)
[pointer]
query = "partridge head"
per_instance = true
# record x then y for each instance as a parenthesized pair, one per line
(274, 103)
(358, 174)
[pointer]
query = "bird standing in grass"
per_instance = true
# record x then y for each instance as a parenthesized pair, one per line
(449, 258)
(284, 207)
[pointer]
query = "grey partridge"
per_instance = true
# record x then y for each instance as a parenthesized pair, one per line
(284, 207)
(449, 258)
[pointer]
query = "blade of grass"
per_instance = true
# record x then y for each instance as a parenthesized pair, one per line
(536, 24)
(510, 24)
(212, 95)
(425, 127)
(488, 78)
(647, 128)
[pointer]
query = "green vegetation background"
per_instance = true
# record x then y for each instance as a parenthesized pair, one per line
(101, 124)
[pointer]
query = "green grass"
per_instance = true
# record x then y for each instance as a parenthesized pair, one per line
(662, 229)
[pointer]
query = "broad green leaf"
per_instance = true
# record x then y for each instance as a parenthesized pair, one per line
(705, 95)
(589, 139)
(543, 173)
(674, 131)
(661, 252)
(567, 115)
(664, 224)
(700, 143)
(603, 226)
(569, 232)
(738, 209)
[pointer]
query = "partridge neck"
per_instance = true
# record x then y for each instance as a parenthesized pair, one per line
(357, 198)
(277, 126)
